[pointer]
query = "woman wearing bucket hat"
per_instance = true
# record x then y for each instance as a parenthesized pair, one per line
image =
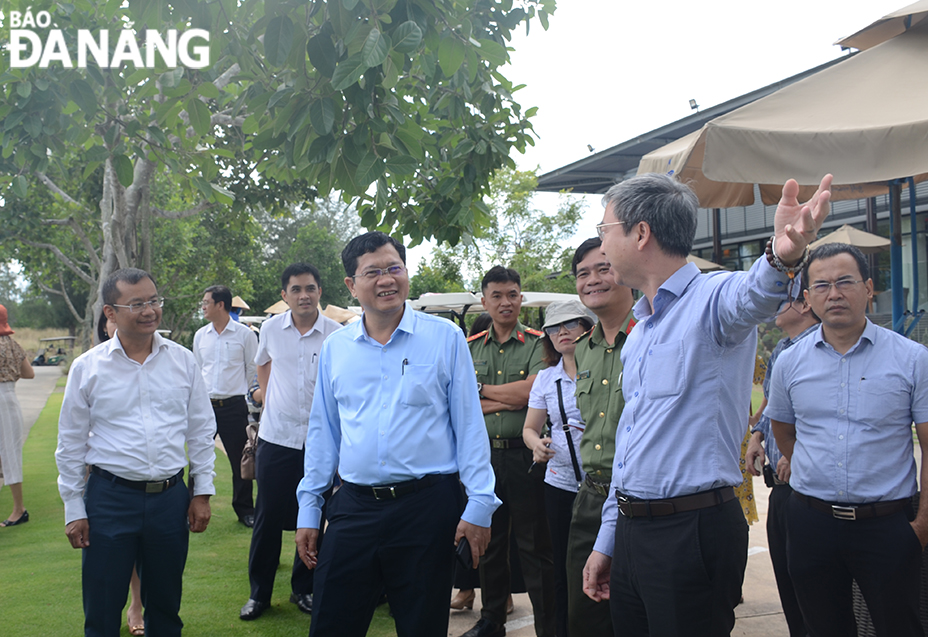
(552, 400)
(13, 366)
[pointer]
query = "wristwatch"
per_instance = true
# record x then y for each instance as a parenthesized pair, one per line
(480, 389)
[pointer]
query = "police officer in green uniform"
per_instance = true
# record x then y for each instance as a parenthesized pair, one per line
(599, 398)
(506, 358)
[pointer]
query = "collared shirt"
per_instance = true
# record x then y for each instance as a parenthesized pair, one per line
(689, 367)
(227, 360)
(11, 359)
(500, 363)
(853, 414)
(763, 425)
(599, 397)
(294, 359)
(134, 419)
(560, 469)
(390, 413)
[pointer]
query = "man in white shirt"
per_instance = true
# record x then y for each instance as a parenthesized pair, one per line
(225, 351)
(130, 407)
(288, 359)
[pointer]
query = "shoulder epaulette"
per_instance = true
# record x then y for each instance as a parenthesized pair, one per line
(474, 337)
(586, 334)
(533, 331)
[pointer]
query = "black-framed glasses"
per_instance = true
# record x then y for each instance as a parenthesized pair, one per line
(600, 226)
(844, 285)
(375, 273)
(136, 308)
(552, 330)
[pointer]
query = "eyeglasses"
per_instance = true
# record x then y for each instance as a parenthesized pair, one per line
(136, 308)
(552, 330)
(843, 286)
(376, 273)
(600, 226)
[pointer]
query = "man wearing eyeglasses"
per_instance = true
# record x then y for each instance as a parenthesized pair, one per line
(130, 407)
(288, 363)
(396, 413)
(225, 351)
(842, 404)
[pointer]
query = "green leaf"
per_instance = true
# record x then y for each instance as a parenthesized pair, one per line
(322, 53)
(278, 38)
(96, 153)
(83, 95)
(348, 72)
(250, 125)
(20, 186)
(402, 165)
(375, 49)
(450, 55)
(123, 166)
(222, 195)
(369, 170)
(407, 37)
(349, 4)
(24, 88)
(208, 90)
(390, 74)
(463, 148)
(199, 116)
(172, 78)
(322, 115)
(492, 52)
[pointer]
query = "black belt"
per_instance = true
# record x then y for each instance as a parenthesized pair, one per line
(507, 443)
(602, 488)
(657, 508)
(398, 490)
(225, 402)
(147, 487)
(854, 511)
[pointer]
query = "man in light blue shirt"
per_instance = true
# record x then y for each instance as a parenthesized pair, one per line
(842, 404)
(672, 562)
(396, 412)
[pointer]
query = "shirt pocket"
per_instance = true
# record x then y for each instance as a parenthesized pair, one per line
(666, 376)
(482, 369)
(419, 385)
(883, 400)
(172, 403)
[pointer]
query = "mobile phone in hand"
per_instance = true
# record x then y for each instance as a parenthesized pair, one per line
(462, 552)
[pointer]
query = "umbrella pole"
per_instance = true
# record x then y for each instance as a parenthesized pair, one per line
(916, 314)
(895, 253)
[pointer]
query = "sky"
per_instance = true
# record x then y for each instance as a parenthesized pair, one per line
(608, 70)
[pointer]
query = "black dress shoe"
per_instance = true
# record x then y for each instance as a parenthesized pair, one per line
(20, 520)
(303, 601)
(252, 609)
(248, 520)
(486, 628)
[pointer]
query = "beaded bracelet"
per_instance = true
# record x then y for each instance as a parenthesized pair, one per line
(777, 262)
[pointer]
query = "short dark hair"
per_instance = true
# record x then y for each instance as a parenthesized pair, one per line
(125, 275)
(828, 250)
(666, 205)
(590, 244)
(499, 274)
(551, 356)
(365, 244)
(102, 336)
(296, 269)
(220, 294)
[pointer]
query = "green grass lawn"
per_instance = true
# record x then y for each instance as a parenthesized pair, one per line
(40, 574)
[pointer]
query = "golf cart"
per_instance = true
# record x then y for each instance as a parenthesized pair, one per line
(53, 351)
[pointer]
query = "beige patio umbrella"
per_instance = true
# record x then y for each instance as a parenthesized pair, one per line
(864, 120)
(889, 26)
(867, 242)
(704, 264)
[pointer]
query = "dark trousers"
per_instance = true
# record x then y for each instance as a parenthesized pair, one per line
(231, 420)
(776, 543)
(129, 527)
(522, 513)
(584, 616)
(404, 546)
(559, 506)
(278, 471)
(884, 556)
(679, 574)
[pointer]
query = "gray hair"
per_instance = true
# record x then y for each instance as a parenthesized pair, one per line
(664, 203)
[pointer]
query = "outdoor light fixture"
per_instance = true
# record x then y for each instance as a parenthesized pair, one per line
(694, 106)
(590, 146)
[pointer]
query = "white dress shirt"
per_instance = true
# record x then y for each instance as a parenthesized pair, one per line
(133, 420)
(294, 361)
(227, 360)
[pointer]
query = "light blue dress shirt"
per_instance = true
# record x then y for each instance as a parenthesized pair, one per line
(384, 414)
(853, 415)
(763, 425)
(689, 367)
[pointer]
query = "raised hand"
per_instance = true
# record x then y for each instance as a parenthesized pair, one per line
(797, 224)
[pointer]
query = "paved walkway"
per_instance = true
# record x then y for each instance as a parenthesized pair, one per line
(33, 394)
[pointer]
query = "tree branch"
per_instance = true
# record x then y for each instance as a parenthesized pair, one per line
(223, 80)
(180, 214)
(63, 293)
(68, 263)
(72, 223)
(58, 191)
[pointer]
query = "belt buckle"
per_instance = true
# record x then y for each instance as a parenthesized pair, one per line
(155, 487)
(624, 500)
(385, 491)
(844, 513)
(499, 444)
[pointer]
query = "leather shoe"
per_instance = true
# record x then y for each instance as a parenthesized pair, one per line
(303, 601)
(253, 609)
(464, 599)
(248, 520)
(486, 628)
(20, 520)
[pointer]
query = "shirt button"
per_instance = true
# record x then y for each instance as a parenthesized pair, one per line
(608, 351)
(521, 372)
(605, 381)
(602, 414)
(840, 492)
(382, 463)
(384, 406)
(385, 377)
(840, 411)
(636, 394)
(499, 372)
(599, 472)
(597, 447)
(381, 433)
(628, 429)
(639, 359)
(650, 324)
(840, 464)
(620, 465)
(501, 351)
(841, 437)
(842, 384)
